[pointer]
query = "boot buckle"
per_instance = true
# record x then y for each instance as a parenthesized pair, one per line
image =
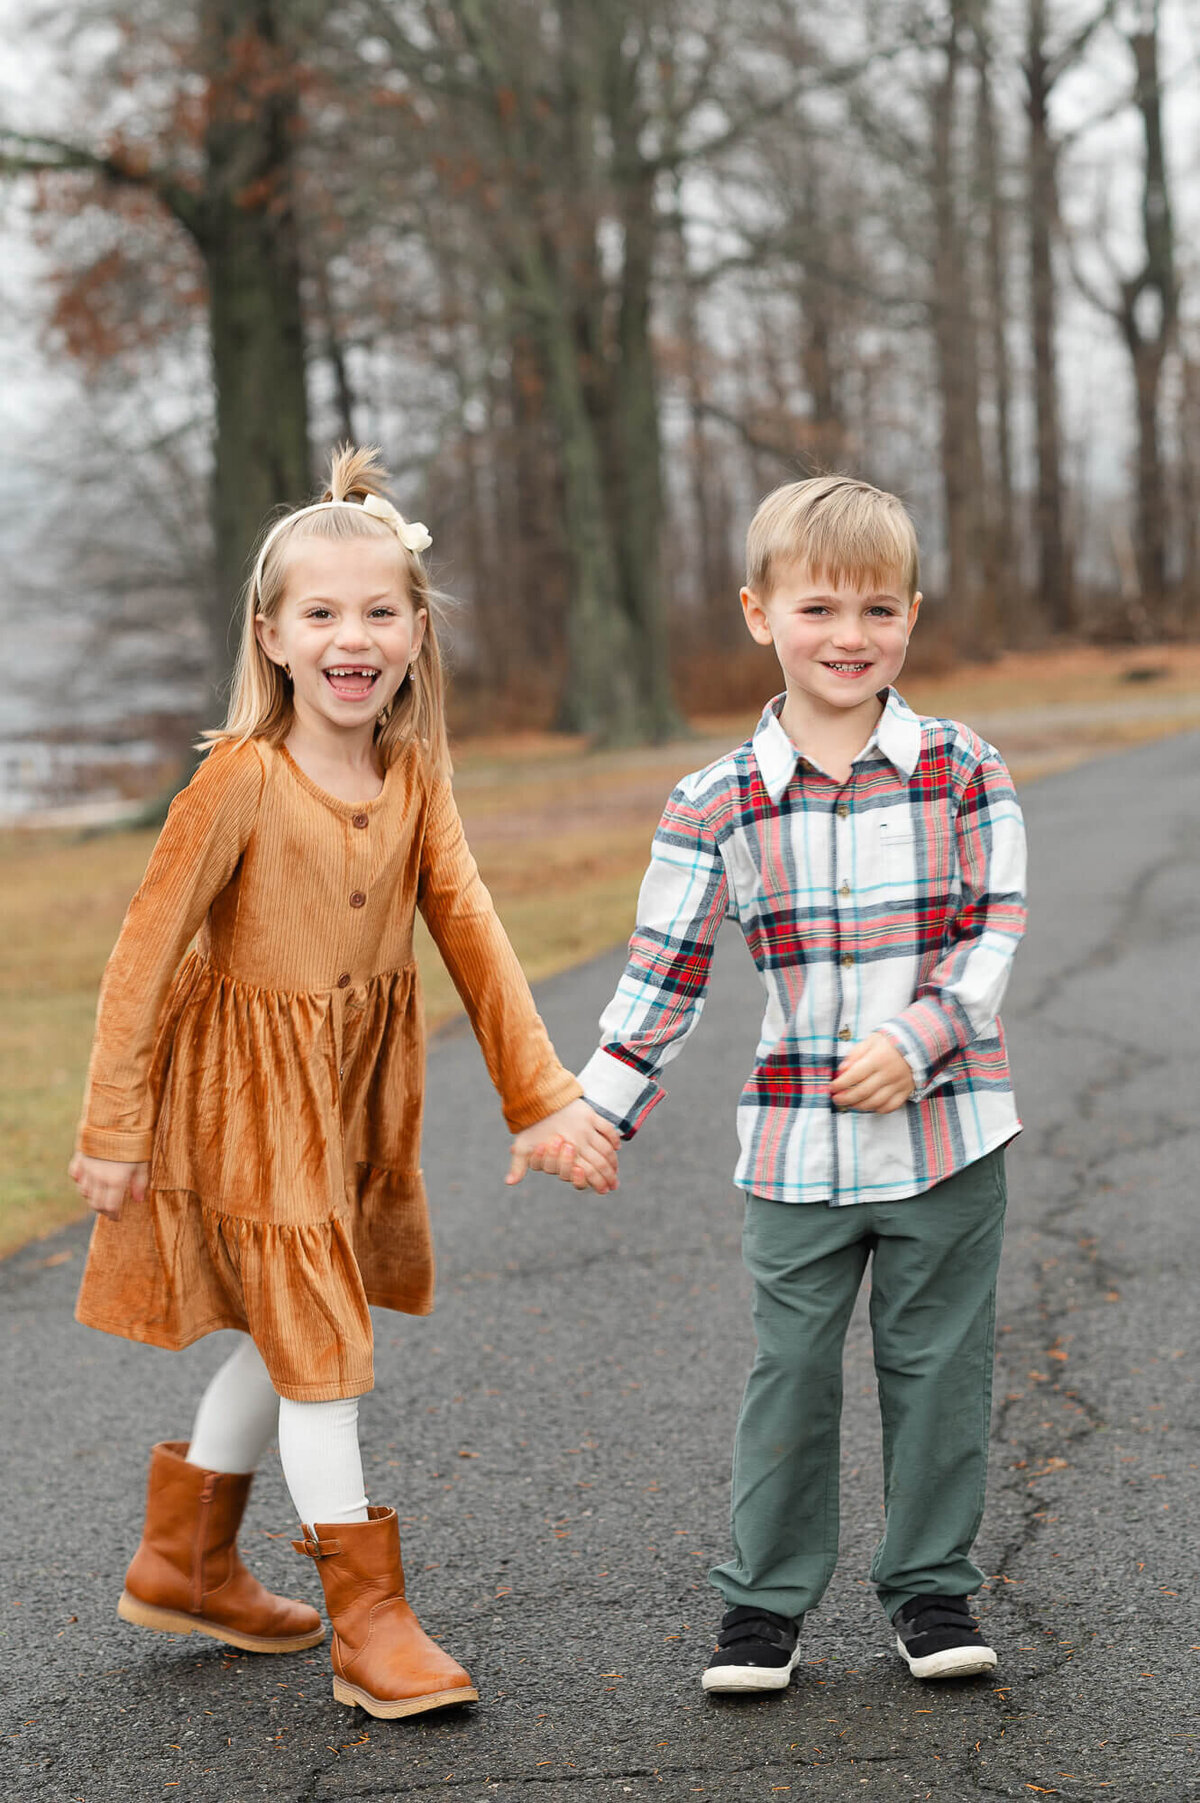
(315, 1548)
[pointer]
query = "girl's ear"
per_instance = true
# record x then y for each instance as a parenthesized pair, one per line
(420, 621)
(267, 634)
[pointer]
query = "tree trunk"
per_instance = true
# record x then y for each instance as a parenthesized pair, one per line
(1149, 329)
(954, 331)
(251, 246)
(712, 567)
(1055, 576)
(1003, 564)
(1189, 494)
(634, 446)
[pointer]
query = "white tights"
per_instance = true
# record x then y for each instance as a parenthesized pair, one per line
(238, 1417)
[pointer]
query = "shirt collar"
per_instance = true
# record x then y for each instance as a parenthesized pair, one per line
(897, 737)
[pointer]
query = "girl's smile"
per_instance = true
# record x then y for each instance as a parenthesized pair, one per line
(352, 682)
(347, 630)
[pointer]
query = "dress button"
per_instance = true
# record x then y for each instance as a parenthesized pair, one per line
(357, 899)
(845, 1033)
(360, 820)
(847, 960)
(843, 811)
(343, 980)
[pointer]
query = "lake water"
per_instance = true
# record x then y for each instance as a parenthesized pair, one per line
(87, 722)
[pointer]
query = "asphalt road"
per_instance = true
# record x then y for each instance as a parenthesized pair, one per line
(556, 1437)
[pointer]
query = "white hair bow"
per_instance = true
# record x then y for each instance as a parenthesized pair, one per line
(413, 534)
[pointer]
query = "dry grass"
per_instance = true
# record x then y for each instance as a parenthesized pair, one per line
(561, 836)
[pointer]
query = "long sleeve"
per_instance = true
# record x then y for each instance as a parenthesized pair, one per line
(959, 1000)
(197, 853)
(659, 999)
(466, 929)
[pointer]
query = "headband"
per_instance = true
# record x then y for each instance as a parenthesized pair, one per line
(414, 536)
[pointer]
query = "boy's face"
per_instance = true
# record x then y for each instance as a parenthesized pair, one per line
(837, 645)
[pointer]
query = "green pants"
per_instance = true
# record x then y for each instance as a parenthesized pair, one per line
(933, 1297)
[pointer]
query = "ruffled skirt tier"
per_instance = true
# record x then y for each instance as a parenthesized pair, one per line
(285, 1193)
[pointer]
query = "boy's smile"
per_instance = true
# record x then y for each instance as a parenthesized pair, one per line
(838, 644)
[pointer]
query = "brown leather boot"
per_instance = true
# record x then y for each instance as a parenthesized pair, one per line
(186, 1576)
(382, 1658)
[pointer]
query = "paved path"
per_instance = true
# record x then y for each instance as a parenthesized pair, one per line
(557, 1437)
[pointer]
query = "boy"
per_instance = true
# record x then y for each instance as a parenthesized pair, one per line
(875, 863)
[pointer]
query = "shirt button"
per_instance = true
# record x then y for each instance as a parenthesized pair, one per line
(845, 889)
(847, 960)
(343, 980)
(360, 820)
(843, 810)
(358, 899)
(845, 1033)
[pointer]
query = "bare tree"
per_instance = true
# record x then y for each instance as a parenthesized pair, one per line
(225, 175)
(1145, 310)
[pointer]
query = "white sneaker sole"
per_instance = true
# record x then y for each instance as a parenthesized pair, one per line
(952, 1662)
(731, 1679)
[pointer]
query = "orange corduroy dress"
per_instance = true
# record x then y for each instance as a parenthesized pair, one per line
(274, 1077)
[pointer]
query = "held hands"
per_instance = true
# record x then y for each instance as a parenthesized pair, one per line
(574, 1144)
(104, 1183)
(873, 1077)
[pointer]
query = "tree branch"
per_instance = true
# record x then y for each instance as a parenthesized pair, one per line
(28, 154)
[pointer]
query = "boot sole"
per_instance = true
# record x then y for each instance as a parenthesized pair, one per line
(170, 1621)
(388, 1708)
(952, 1662)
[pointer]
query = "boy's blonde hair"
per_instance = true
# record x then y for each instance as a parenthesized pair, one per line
(840, 529)
(260, 700)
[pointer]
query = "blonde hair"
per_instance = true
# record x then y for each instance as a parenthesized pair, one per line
(260, 699)
(838, 528)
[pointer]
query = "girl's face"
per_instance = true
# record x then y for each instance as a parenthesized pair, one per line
(347, 628)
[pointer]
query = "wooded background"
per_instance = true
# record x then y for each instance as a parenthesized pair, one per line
(597, 274)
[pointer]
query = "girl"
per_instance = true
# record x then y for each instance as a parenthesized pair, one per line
(252, 1121)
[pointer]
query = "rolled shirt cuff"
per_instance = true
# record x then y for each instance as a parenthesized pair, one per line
(619, 1092)
(911, 1049)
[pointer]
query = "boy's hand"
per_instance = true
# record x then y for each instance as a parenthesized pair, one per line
(104, 1183)
(574, 1144)
(873, 1077)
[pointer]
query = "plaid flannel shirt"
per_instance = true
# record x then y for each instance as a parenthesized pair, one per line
(892, 902)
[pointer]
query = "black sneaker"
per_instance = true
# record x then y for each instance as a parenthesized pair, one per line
(940, 1638)
(755, 1650)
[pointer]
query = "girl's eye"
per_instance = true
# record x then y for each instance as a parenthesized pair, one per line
(383, 613)
(318, 613)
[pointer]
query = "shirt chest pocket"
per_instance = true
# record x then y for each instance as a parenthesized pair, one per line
(897, 851)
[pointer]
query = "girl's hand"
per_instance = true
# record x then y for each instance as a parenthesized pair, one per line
(104, 1183)
(873, 1077)
(575, 1144)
